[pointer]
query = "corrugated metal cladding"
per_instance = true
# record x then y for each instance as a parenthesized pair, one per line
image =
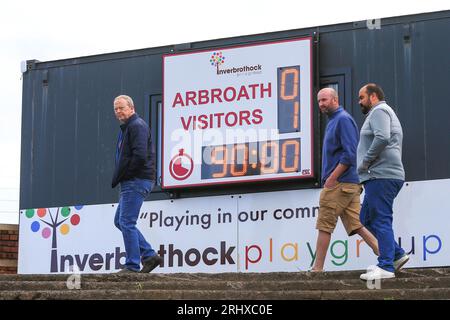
(69, 129)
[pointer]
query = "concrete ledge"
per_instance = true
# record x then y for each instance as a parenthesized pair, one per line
(420, 283)
(391, 294)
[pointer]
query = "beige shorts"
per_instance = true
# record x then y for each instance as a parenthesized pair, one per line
(341, 201)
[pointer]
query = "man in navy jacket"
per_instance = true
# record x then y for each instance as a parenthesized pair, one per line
(135, 173)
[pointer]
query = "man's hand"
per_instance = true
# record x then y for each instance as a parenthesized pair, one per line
(330, 183)
(332, 180)
(364, 167)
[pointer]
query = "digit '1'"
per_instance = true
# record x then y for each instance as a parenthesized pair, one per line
(289, 99)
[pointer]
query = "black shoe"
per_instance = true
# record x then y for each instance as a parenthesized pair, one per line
(151, 263)
(126, 270)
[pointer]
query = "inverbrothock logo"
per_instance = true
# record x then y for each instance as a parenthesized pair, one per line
(217, 58)
(49, 223)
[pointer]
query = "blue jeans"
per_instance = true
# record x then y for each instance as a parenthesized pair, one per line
(132, 195)
(376, 216)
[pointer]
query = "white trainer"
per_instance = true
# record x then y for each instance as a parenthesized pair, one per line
(399, 263)
(376, 274)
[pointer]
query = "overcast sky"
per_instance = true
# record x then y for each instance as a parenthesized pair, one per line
(50, 30)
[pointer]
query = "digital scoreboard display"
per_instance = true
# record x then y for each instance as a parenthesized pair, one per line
(239, 114)
(249, 159)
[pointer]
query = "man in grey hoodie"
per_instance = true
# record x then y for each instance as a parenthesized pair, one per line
(380, 169)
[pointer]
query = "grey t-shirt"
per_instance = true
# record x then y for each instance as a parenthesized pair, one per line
(379, 154)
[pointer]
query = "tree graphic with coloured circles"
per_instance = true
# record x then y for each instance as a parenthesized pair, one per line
(217, 59)
(48, 224)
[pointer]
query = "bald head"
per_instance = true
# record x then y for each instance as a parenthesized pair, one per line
(330, 92)
(328, 100)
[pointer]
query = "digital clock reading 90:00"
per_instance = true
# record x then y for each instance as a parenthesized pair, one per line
(263, 157)
(254, 158)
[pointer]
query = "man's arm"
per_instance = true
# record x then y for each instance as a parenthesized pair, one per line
(380, 122)
(348, 135)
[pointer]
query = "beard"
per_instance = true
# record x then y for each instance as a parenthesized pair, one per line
(365, 108)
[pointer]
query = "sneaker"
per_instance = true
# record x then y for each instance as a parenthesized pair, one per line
(399, 263)
(376, 274)
(126, 270)
(151, 263)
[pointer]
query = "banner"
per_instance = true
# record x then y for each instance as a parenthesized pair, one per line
(261, 232)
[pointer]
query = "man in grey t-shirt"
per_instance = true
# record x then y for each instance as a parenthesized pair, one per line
(380, 169)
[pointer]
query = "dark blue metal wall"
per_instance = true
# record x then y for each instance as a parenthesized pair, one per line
(69, 129)
(411, 61)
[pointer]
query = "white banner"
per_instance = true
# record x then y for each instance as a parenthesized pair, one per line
(262, 232)
(238, 114)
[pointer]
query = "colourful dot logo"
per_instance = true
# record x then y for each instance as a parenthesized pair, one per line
(216, 59)
(49, 225)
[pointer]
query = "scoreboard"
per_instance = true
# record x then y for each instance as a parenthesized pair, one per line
(238, 114)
